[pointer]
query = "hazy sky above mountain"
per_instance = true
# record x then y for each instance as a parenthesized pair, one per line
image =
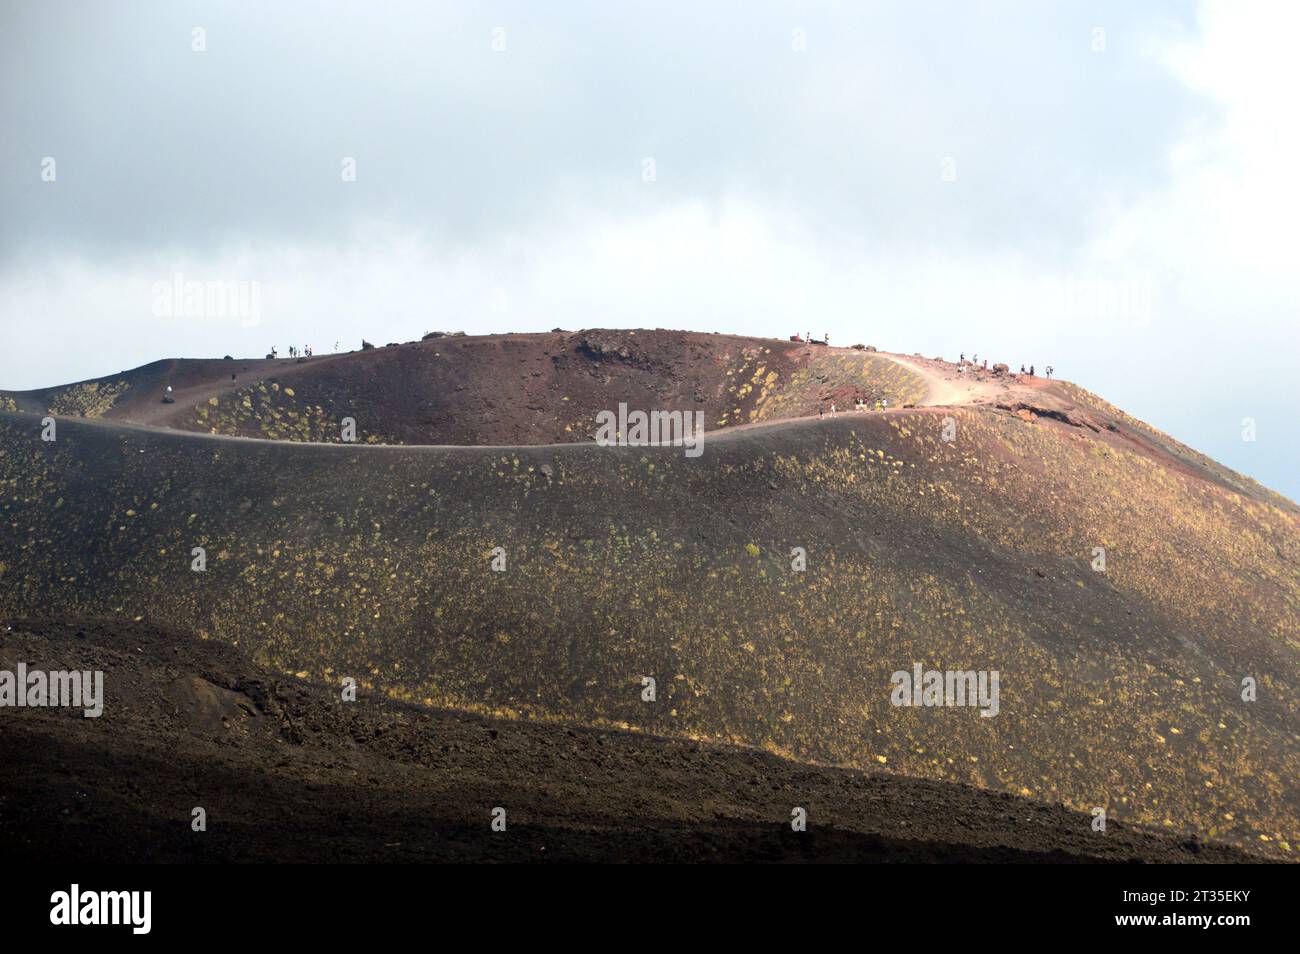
(1110, 188)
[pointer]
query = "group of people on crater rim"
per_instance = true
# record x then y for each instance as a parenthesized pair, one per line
(294, 352)
(974, 362)
(808, 338)
(859, 405)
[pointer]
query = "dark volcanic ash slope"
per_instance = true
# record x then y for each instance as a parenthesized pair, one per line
(1119, 689)
(287, 772)
(491, 389)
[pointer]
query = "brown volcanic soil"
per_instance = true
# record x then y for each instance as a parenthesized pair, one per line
(1119, 688)
(287, 772)
(534, 389)
(487, 390)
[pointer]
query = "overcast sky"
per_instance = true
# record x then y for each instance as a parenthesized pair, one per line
(1111, 188)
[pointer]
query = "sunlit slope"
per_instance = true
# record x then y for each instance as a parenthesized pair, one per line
(490, 389)
(1119, 689)
(1177, 453)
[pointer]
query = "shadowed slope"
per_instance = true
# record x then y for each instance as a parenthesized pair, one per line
(1120, 689)
(278, 761)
